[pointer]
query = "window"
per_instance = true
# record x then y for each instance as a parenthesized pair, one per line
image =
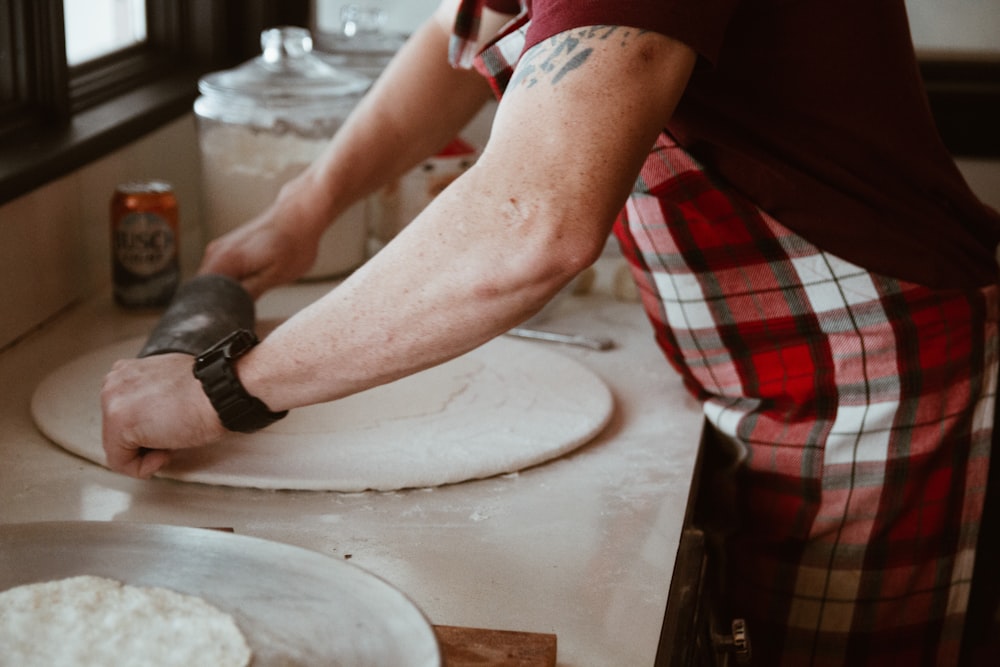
(70, 94)
(96, 28)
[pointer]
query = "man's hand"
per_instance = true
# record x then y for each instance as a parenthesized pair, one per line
(261, 254)
(150, 407)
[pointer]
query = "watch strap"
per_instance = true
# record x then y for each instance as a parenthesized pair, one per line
(238, 410)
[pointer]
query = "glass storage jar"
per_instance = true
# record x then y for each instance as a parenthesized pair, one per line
(262, 123)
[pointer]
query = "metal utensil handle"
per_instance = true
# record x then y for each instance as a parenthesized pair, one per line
(590, 342)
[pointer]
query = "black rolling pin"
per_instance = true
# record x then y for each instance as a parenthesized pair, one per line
(205, 310)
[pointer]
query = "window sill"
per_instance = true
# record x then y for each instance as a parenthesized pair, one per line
(45, 153)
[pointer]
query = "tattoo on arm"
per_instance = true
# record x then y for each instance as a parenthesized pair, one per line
(552, 60)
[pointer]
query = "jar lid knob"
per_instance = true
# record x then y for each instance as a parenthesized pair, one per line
(285, 42)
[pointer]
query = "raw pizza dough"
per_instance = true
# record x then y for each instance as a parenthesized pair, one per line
(505, 406)
(89, 621)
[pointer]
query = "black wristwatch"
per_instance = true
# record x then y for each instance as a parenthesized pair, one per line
(238, 410)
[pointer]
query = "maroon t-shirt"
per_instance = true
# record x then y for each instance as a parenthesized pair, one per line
(816, 111)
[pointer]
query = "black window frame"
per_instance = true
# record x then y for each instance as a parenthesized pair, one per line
(55, 118)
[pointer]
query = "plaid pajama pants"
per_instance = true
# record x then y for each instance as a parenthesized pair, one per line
(860, 409)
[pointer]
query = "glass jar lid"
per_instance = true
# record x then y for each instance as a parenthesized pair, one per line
(287, 73)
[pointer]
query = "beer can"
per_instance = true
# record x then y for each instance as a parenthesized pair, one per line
(145, 262)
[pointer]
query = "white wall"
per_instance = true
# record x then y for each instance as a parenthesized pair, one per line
(968, 28)
(983, 176)
(55, 241)
(403, 15)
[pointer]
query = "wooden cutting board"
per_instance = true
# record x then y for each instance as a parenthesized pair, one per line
(478, 647)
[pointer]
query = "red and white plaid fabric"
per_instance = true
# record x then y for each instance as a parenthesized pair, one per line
(495, 59)
(465, 35)
(862, 408)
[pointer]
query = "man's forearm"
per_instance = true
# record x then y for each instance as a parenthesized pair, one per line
(413, 110)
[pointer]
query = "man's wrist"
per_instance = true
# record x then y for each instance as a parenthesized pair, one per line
(238, 410)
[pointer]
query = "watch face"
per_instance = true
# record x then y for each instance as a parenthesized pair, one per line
(238, 343)
(231, 347)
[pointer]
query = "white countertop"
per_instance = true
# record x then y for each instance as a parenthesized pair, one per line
(582, 547)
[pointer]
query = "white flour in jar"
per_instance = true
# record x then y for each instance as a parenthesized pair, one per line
(243, 171)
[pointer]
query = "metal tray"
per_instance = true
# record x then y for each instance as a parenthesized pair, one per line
(295, 606)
